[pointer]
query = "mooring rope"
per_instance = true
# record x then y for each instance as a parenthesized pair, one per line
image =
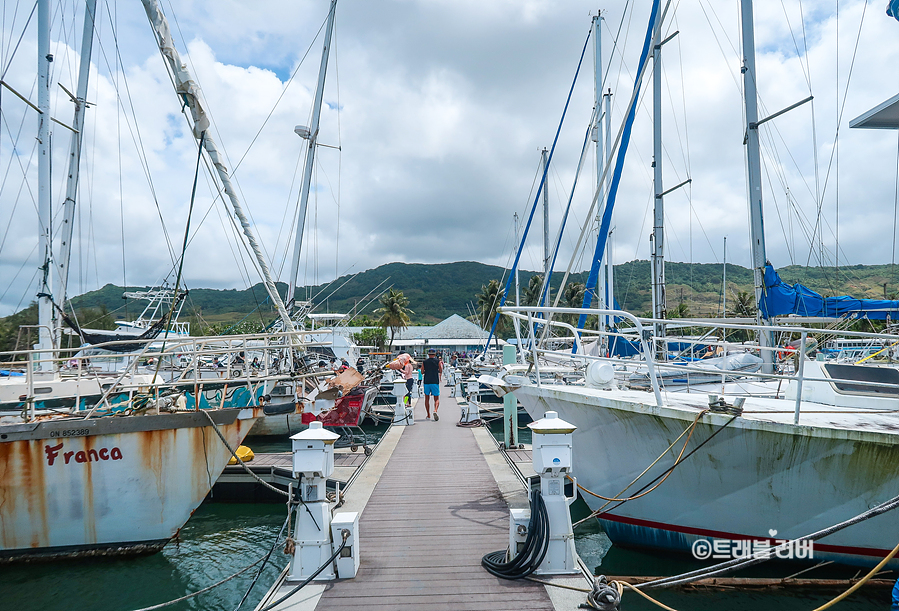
(237, 458)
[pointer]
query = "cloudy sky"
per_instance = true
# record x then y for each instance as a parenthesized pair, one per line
(440, 109)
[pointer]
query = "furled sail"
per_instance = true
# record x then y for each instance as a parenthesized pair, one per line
(136, 342)
(782, 299)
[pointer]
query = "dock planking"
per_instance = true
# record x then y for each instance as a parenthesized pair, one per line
(435, 511)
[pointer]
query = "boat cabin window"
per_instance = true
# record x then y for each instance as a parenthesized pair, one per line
(844, 375)
(43, 390)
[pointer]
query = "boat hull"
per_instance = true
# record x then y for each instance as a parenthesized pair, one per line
(751, 480)
(107, 486)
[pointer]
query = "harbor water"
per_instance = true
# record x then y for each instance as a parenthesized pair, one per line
(222, 538)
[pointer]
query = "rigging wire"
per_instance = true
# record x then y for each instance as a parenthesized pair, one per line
(841, 108)
(12, 55)
(134, 131)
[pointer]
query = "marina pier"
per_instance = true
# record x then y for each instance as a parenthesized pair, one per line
(433, 498)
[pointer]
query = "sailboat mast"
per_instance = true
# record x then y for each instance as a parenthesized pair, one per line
(517, 285)
(724, 283)
(658, 230)
(68, 216)
(609, 265)
(600, 157)
(45, 291)
(547, 255)
(754, 173)
(311, 139)
(189, 92)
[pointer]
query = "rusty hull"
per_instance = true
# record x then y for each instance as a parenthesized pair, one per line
(108, 485)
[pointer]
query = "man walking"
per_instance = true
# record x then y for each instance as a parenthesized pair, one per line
(433, 369)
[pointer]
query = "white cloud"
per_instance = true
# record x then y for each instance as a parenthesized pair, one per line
(443, 108)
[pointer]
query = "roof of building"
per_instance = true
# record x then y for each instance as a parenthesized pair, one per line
(454, 327)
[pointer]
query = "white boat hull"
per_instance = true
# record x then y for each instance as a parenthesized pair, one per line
(71, 487)
(754, 477)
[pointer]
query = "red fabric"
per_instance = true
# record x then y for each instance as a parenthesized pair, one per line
(347, 411)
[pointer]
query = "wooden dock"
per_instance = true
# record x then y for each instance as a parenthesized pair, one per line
(435, 511)
(432, 503)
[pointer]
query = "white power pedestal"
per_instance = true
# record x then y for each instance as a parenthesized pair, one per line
(348, 560)
(402, 413)
(470, 409)
(313, 462)
(552, 462)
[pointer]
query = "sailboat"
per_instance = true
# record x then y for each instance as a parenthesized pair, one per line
(121, 473)
(740, 474)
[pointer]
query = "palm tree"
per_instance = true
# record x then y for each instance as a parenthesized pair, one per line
(488, 301)
(681, 311)
(574, 298)
(533, 291)
(744, 304)
(394, 313)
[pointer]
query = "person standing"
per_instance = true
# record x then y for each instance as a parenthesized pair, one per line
(408, 375)
(433, 369)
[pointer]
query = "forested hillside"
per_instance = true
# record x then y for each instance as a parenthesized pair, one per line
(437, 291)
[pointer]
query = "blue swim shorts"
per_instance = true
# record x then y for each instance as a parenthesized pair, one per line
(432, 389)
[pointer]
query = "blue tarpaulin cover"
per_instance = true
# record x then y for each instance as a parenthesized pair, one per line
(781, 299)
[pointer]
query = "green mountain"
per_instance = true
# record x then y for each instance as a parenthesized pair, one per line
(436, 291)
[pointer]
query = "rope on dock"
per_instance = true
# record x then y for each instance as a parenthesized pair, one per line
(237, 458)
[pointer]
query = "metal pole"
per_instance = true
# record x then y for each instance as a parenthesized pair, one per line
(310, 156)
(801, 368)
(658, 230)
(724, 283)
(754, 176)
(68, 217)
(600, 158)
(546, 252)
(510, 404)
(45, 255)
(610, 268)
(515, 322)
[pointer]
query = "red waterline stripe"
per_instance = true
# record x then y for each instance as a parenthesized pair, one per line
(716, 534)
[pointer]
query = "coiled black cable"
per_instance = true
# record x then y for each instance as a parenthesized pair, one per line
(534, 551)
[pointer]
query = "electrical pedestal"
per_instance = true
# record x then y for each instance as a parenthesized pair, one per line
(403, 411)
(552, 462)
(313, 463)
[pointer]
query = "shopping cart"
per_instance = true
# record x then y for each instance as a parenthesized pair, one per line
(346, 417)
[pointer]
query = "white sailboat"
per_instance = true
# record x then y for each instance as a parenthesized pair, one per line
(665, 470)
(123, 474)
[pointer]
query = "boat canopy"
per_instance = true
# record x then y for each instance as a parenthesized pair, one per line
(782, 299)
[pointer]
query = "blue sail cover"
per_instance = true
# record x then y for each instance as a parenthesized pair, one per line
(782, 299)
(893, 9)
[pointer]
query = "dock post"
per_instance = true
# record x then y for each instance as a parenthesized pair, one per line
(510, 405)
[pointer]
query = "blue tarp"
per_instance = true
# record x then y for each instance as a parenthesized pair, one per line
(782, 299)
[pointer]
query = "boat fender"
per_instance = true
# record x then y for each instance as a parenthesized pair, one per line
(245, 454)
(604, 596)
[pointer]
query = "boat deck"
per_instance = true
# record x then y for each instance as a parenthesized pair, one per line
(428, 515)
(821, 419)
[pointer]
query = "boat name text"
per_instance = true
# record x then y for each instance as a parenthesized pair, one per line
(92, 455)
